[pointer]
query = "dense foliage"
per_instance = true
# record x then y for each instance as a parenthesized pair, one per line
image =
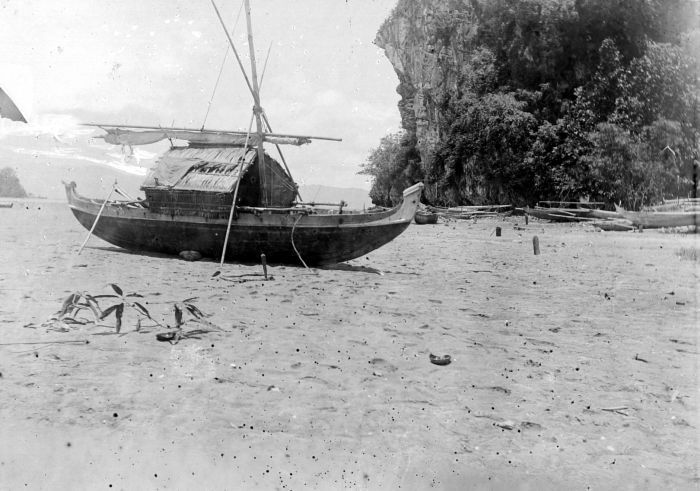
(560, 100)
(10, 186)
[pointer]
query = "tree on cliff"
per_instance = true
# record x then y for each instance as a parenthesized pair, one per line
(555, 99)
(393, 166)
(484, 149)
(10, 186)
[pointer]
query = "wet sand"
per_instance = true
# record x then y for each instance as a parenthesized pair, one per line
(573, 369)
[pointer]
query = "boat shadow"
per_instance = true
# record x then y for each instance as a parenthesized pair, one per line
(351, 268)
(173, 257)
(329, 267)
(119, 250)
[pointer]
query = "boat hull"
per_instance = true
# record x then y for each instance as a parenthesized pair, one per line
(614, 225)
(662, 219)
(318, 239)
(426, 218)
(558, 214)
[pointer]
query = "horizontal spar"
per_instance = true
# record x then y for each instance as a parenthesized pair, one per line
(229, 132)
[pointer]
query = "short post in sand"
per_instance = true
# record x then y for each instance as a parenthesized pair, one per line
(498, 231)
(99, 214)
(536, 245)
(263, 259)
(526, 218)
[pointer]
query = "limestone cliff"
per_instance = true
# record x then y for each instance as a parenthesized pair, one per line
(427, 42)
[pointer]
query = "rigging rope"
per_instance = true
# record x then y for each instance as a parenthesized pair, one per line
(295, 247)
(223, 63)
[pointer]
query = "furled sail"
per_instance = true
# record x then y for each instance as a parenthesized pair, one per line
(8, 109)
(121, 136)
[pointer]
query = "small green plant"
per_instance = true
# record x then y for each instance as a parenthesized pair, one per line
(689, 253)
(72, 310)
(123, 302)
(81, 308)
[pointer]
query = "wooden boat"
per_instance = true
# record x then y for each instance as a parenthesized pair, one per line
(604, 214)
(222, 196)
(425, 218)
(479, 208)
(558, 214)
(282, 234)
(677, 204)
(6, 205)
(571, 205)
(660, 219)
(614, 225)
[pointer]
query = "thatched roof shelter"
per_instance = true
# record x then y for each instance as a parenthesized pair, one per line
(184, 175)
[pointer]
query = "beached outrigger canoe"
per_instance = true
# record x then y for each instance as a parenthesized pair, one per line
(222, 195)
(284, 235)
(660, 219)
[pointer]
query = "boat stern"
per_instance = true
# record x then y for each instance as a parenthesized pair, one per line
(411, 200)
(70, 191)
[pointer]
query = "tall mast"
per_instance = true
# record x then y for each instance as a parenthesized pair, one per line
(257, 110)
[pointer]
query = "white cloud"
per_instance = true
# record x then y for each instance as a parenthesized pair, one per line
(324, 76)
(59, 126)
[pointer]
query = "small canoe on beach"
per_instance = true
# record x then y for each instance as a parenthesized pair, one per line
(425, 218)
(6, 205)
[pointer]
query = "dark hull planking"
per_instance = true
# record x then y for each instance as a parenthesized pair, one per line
(320, 239)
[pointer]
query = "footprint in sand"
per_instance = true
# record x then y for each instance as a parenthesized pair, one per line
(310, 379)
(382, 364)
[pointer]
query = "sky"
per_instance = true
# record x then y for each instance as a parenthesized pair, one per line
(156, 62)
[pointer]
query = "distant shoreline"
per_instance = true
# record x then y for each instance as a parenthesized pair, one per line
(33, 199)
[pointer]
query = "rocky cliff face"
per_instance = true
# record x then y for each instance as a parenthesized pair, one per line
(427, 42)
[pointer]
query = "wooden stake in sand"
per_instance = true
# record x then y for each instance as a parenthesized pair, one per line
(94, 224)
(536, 245)
(263, 259)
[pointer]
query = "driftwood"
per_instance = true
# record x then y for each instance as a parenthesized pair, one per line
(68, 341)
(618, 410)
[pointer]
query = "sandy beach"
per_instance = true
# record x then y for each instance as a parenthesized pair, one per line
(573, 369)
